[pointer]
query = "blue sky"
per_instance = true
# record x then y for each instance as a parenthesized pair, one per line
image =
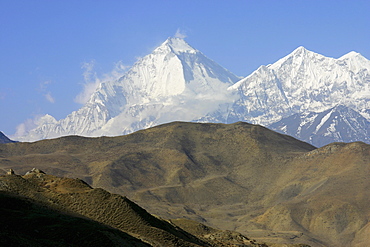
(50, 49)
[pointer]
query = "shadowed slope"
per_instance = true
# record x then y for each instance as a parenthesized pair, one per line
(25, 222)
(4, 138)
(75, 196)
(44, 210)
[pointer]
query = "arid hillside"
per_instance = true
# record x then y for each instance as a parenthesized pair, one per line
(25, 222)
(44, 210)
(241, 177)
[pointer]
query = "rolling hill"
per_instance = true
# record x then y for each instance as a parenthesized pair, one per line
(44, 210)
(241, 177)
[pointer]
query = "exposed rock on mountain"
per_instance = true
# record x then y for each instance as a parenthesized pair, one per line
(338, 124)
(268, 186)
(4, 138)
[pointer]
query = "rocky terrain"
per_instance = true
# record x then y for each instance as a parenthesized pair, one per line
(240, 177)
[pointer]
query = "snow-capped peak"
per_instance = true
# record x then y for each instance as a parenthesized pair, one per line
(179, 45)
(349, 55)
(297, 58)
(300, 50)
(355, 61)
(47, 119)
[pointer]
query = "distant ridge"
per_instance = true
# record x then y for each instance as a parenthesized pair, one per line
(338, 124)
(4, 138)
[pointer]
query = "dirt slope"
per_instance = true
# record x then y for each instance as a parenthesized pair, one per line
(44, 210)
(25, 222)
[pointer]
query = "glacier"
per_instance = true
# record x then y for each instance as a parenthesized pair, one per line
(178, 83)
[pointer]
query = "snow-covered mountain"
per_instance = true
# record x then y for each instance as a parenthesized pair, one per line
(301, 82)
(178, 83)
(302, 87)
(338, 124)
(174, 82)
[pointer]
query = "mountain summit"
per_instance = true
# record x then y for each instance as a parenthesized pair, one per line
(174, 82)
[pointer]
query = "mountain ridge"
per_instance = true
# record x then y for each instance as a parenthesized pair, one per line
(4, 138)
(338, 124)
(302, 81)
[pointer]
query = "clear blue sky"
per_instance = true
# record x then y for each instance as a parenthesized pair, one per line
(45, 43)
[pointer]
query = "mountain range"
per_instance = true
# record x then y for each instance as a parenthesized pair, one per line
(178, 83)
(242, 177)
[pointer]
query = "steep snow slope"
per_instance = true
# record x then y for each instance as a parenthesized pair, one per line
(338, 124)
(174, 82)
(301, 82)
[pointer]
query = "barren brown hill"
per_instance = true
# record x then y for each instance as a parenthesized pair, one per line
(44, 210)
(25, 222)
(237, 177)
(75, 196)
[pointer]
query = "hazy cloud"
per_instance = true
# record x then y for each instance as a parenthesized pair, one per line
(30, 128)
(90, 84)
(180, 34)
(92, 80)
(49, 97)
(118, 71)
(23, 128)
(47, 94)
(44, 85)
